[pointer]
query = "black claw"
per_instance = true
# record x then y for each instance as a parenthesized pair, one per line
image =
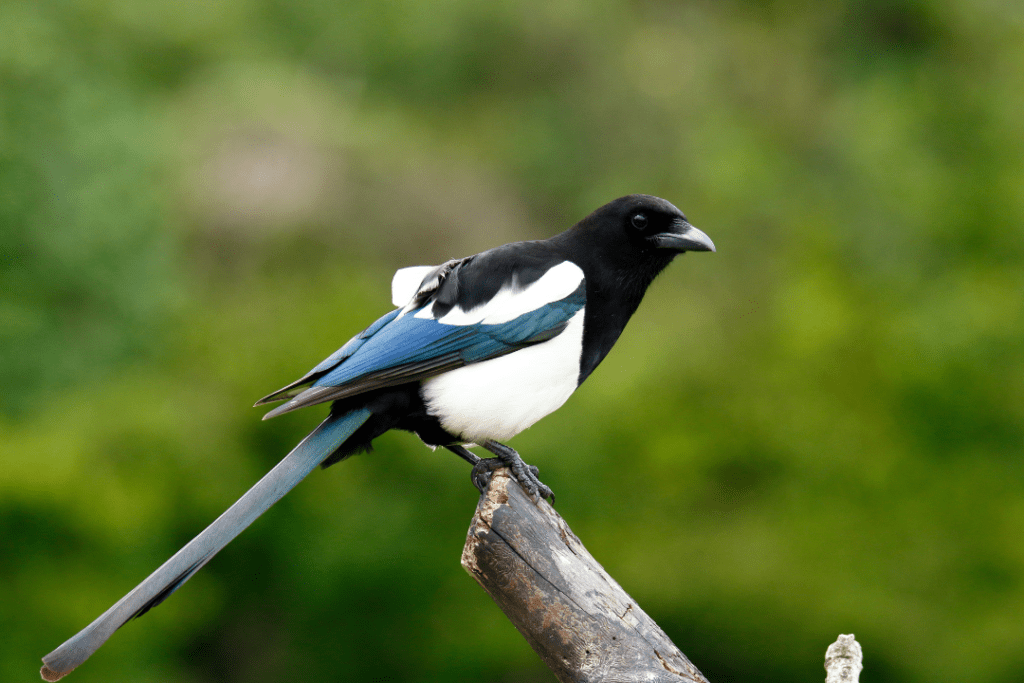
(482, 471)
(483, 468)
(526, 475)
(546, 492)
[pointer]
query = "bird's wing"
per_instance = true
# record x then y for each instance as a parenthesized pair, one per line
(407, 286)
(444, 326)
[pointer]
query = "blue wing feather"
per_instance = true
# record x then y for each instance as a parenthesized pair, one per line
(410, 340)
(353, 344)
(349, 348)
(403, 348)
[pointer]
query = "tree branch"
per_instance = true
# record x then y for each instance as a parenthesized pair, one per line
(571, 612)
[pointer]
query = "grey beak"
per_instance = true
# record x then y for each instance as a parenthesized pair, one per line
(683, 237)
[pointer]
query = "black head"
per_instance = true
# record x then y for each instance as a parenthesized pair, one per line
(621, 248)
(637, 231)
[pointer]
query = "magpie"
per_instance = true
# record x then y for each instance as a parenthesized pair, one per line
(476, 350)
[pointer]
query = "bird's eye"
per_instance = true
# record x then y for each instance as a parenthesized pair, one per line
(639, 221)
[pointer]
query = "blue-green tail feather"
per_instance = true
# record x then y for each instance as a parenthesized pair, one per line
(313, 450)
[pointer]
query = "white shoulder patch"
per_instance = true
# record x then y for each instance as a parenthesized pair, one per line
(513, 301)
(406, 283)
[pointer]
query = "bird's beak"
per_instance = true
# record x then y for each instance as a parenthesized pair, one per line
(683, 237)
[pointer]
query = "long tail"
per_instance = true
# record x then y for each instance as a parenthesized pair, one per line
(313, 450)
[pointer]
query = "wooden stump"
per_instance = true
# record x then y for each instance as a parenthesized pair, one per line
(571, 612)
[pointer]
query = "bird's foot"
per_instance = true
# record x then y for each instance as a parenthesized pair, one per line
(482, 471)
(525, 474)
(482, 468)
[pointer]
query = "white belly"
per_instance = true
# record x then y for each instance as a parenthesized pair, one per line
(498, 398)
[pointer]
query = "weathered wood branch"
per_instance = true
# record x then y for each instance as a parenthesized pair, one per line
(571, 612)
(844, 660)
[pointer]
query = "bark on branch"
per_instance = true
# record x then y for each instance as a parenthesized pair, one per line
(571, 612)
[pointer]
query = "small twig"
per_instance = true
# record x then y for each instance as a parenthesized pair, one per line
(844, 661)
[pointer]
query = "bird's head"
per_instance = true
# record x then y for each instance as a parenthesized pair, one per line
(637, 231)
(653, 223)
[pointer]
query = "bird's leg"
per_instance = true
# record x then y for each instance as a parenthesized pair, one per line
(463, 453)
(481, 474)
(525, 474)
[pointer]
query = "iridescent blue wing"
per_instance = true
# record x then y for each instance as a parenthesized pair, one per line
(411, 344)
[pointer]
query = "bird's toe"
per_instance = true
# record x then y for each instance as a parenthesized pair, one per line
(482, 471)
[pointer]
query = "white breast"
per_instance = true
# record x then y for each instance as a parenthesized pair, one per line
(498, 398)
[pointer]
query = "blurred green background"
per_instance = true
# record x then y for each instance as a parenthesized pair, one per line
(817, 430)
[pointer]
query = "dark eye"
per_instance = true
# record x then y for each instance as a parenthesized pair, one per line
(639, 221)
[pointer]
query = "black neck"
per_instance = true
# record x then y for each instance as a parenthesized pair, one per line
(616, 283)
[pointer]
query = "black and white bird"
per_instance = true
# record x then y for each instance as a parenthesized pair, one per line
(477, 350)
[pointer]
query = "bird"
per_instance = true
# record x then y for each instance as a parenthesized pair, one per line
(475, 351)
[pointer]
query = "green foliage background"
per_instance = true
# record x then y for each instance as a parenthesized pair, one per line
(817, 430)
